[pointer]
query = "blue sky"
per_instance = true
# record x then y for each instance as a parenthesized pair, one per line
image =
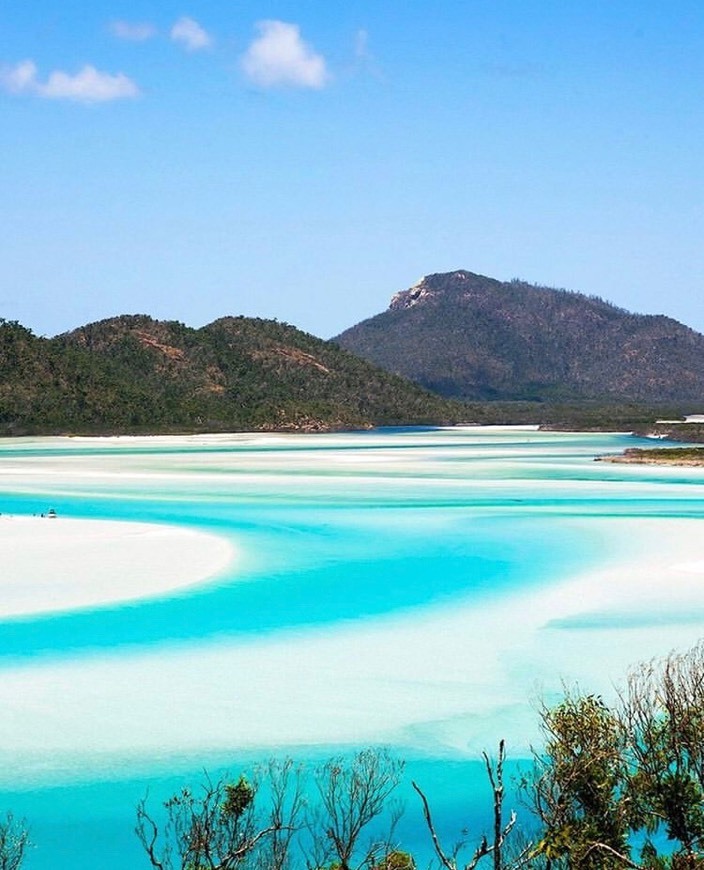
(305, 160)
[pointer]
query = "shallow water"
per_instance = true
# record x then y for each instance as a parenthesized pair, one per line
(403, 587)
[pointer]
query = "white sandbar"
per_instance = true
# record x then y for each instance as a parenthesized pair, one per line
(60, 564)
(452, 678)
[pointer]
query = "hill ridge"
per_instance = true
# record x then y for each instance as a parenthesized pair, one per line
(135, 373)
(473, 338)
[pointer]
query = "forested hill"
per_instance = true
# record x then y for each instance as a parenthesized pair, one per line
(475, 338)
(133, 373)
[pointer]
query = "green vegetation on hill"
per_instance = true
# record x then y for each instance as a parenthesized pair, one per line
(583, 416)
(473, 338)
(136, 374)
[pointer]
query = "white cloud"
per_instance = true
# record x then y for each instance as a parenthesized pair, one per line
(278, 56)
(20, 78)
(190, 34)
(89, 85)
(133, 31)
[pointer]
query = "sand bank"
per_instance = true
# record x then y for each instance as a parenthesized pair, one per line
(452, 678)
(677, 456)
(61, 564)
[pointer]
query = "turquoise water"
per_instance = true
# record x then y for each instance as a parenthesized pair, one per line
(347, 568)
(343, 542)
(86, 826)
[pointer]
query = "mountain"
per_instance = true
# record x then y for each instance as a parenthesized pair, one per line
(471, 337)
(133, 373)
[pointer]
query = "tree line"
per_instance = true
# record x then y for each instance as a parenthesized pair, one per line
(610, 787)
(134, 374)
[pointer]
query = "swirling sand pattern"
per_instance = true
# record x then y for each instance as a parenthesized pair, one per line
(416, 588)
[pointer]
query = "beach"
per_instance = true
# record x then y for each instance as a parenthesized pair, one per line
(53, 564)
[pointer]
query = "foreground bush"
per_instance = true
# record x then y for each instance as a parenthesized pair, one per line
(611, 787)
(605, 779)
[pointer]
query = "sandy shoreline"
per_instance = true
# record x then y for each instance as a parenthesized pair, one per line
(622, 459)
(52, 565)
(674, 455)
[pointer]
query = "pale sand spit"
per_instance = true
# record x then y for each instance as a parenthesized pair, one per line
(57, 564)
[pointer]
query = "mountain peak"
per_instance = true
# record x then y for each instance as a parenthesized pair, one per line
(459, 283)
(471, 337)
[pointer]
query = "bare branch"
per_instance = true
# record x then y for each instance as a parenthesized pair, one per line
(149, 838)
(482, 850)
(444, 860)
(604, 847)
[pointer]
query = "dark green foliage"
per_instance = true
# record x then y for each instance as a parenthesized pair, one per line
(396, 860)
(664, 717)
(610, 778)
(580, 786)
(135, 374)
(582, 416)
(470, 337)
(238, 798)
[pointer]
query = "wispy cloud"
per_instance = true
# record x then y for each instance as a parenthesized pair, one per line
(89, 85)
(364, 60)
(20, 78)
(190, 34)
(361, 45)
(280, 57)
(133, 31)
